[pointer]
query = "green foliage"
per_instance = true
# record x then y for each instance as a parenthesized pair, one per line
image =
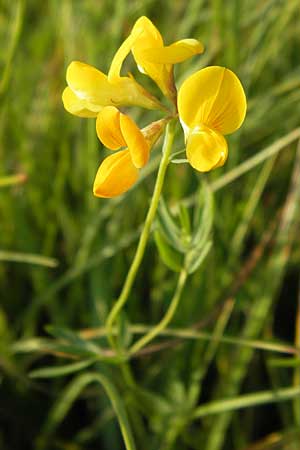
(169, 255)
(64, 254)
(179, 245)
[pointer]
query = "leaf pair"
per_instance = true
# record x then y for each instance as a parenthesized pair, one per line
(180, 246)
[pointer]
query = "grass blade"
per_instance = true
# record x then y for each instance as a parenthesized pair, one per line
(245, 401)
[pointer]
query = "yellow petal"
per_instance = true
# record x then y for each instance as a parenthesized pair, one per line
(142, 30)
(115, 175)
(206, 149)
(87, 82)
(134, 93)
(174, 53)
(215, 97)
(116, 130)
(77, 106)
(223, 157)
(150, 38)
(126, 91)
(108, 128)
(135, 141)
(123, 51)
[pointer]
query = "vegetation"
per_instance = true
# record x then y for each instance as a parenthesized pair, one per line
(225, 372)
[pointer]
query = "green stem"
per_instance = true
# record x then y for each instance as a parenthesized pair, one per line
(167, 317)
(167, 146)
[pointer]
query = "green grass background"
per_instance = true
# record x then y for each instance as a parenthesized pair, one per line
(64, 254)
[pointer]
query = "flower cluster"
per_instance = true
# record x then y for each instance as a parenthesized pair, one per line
(210, 104)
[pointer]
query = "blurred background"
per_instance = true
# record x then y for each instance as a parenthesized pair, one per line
(64, 254)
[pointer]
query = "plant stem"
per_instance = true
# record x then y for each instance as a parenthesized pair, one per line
(167, 317)
(167, 146)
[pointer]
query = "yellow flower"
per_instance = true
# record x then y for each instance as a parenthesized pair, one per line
(89, 90)
(115, 175)
(118, 172)
(152, 56)
(211, 103)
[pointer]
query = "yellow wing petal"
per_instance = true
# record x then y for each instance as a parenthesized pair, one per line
(215, 97)
(91, 85)
(115, 175)
(206, 150)
(87, 82)
(174, 53)
(77, 106)
(135, 141)
(108, 128)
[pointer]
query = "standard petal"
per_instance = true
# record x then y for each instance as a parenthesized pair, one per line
(206, 150)
(215, 97)
(135, 141)
(108, 128)
(174, 53)
(143, 33)
(150, 38)
(77, 106)
(115, 175)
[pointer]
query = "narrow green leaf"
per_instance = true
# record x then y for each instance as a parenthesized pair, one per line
(185, 219)
(195, 257)
(28, 258)
(168, 226)
(203, 215)
(245, 401)
(284, 362)
(73, 390)
(63, 333)
(184, 333)
(169, 255)
(52, 372)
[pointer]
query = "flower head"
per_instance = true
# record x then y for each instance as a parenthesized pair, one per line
(152, 56)
(211, 103)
